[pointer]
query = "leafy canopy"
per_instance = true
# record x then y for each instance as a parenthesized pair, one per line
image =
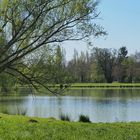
(27, 25)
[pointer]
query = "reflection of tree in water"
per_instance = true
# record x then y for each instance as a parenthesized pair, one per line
(109, 93)
(15, 111)
(119, 93)
(12, 105)
(129, 93)
(60, 111)
(82, 92)
(123, 109)
(103, 93)
(104, 101)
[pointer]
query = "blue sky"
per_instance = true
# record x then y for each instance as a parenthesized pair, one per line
(121, 19)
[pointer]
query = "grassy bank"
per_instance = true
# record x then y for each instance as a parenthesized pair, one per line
(25, 128)
(26, 90)
(98, 85)
(105, 85)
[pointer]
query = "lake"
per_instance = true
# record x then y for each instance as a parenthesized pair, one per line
(100, 105)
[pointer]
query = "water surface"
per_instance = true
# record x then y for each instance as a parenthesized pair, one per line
(106, 105)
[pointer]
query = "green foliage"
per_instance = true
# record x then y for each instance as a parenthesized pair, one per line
(4, 5)
(102, 65)
(105, 60)
(122, 54)
(59, 65)
(49, 66)
(26, 26)
(96, 75)
(64, 117)
(83, 118)
(7, 83)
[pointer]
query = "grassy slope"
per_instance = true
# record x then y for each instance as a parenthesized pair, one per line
(19, 128)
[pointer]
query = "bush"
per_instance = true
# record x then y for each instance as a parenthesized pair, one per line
(83, 118)
(64, 117)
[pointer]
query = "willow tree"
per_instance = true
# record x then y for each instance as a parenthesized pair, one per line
(27, 25)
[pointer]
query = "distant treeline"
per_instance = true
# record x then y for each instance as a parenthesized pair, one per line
(99, 65)
(102, 65)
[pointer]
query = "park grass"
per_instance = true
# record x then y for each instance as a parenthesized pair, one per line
(105, 85)
(97, 85)
(25, 89)
(26, 128)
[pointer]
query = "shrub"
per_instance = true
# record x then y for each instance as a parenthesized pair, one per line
(64, 117)
(83, 118)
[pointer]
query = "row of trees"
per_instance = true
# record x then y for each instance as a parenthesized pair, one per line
(99, 65)
(96, 65)
(105, 65)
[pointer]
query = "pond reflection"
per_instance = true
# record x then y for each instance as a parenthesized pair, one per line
(99, 105)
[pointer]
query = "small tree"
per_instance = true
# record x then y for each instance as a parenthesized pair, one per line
(105, 60)
(121, 69)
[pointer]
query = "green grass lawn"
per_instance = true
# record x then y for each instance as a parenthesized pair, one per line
(98, 85)
(106, 85)
(25, 128)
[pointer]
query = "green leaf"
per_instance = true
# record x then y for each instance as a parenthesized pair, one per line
(4, 4)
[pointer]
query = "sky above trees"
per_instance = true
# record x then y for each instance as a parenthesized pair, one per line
(120, 18)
